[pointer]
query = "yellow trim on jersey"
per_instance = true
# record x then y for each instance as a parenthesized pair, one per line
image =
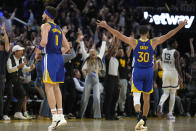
(59, 82)
(136, 41)
(143, 40)
(47, 79)
(49, 24)
(60, 31)
(151, 42)
(52, 23)
(134, 89)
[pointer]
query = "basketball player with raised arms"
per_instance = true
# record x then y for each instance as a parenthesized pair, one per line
(142, 75)
(53, 64)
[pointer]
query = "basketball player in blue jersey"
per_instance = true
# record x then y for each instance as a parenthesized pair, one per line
(142, 75)
(53, 64)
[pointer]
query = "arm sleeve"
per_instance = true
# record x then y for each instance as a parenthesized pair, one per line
(84, 53)
(68, 57)
(31, 19)
(78, 86)
(102, 50)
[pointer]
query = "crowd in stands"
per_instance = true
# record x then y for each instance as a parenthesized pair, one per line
(92, 48)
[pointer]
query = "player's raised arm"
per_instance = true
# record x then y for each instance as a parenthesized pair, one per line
(45, 28)
(159, 40)
(117, 34)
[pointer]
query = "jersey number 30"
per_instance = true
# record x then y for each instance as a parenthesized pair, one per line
(144, 57)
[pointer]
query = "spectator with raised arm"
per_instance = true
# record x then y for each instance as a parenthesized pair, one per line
(91, 69)
(82, 46)
(193, 63)
(8, 20)
(111, 82)
(190, 93)
(4, 54)
(68, 90)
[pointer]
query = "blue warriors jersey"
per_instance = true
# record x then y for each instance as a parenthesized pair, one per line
(55, 37)
(52, 62)
(143, 54)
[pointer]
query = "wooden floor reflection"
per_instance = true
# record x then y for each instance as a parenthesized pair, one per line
(181, 124)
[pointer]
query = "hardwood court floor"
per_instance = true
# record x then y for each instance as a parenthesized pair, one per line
(127, 124)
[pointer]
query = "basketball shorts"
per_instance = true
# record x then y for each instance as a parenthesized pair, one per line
(142, 80)
(53, 68)
(170, 79)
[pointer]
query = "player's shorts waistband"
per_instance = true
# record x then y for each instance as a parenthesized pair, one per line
(50, 53)
(143, 67)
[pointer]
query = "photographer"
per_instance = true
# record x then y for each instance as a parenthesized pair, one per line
(4, 53)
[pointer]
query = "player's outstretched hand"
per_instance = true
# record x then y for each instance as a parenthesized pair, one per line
(102, 23)
(182, 23)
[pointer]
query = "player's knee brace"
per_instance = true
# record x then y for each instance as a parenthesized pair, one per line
(136, 98)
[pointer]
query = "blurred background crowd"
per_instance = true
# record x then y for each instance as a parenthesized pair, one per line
(78, 18)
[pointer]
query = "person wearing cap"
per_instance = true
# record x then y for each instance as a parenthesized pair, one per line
(15, 66)
(53, 64)
(4, 54)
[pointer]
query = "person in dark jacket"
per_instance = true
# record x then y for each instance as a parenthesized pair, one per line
(4, 54)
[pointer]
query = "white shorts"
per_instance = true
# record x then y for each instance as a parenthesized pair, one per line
(170, 79)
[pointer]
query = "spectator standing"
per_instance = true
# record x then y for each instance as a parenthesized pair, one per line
(123, 75)
(4, 54)
(111, 82)
(91, 68)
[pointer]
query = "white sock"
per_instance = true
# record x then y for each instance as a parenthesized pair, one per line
(172, 101)
(54, 112)
(60, 111)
